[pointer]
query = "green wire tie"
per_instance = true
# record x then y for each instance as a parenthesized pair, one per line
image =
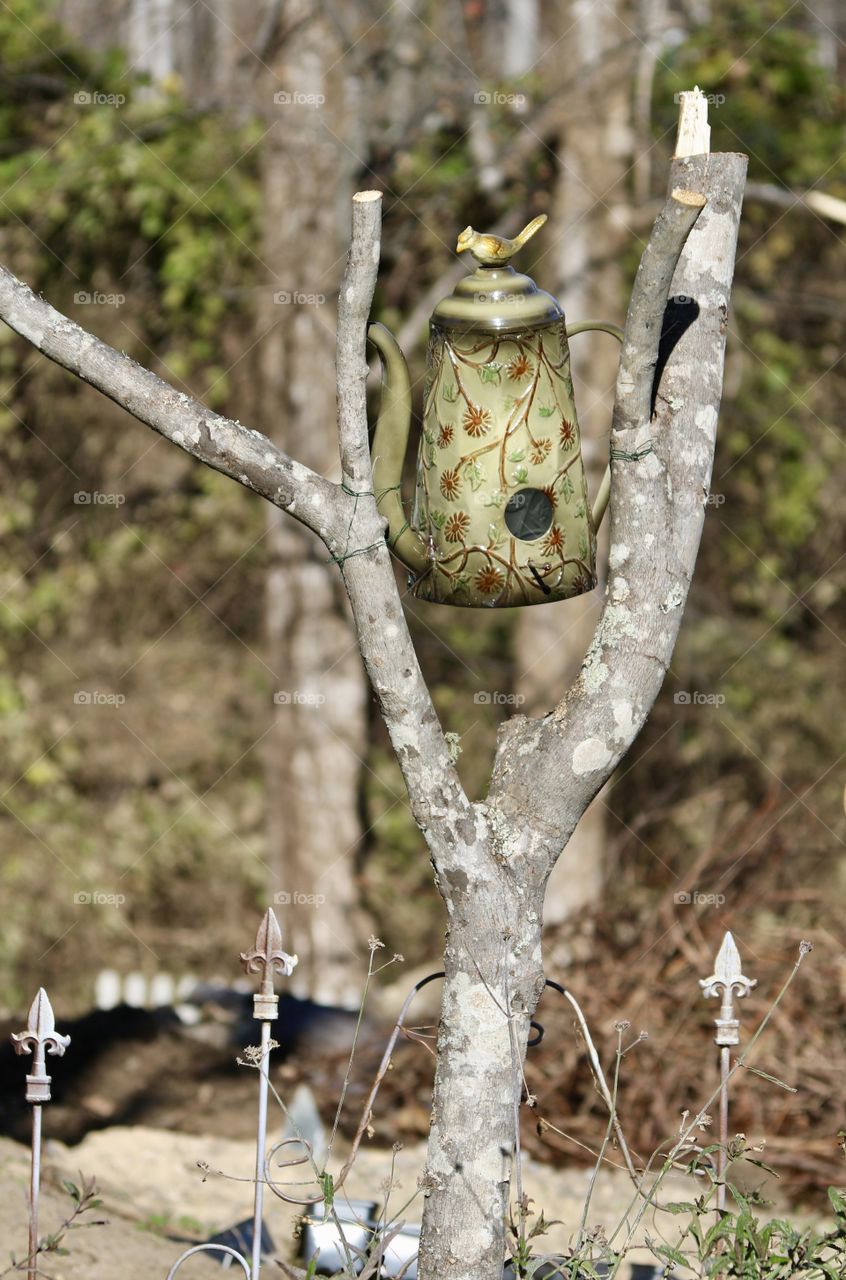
(340, 561)
(622, 455)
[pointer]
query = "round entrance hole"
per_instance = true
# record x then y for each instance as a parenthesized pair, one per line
(529, 514)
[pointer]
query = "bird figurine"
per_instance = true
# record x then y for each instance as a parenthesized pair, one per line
(495, 251)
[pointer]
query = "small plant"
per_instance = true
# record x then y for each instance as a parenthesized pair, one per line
(85, 1200)
(740, 1247)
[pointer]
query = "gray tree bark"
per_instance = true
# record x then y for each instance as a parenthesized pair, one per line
(314, 751)
(492, 859)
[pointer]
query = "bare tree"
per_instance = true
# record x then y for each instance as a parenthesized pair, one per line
(492, 859)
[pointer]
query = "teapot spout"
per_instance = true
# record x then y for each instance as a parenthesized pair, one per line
(390, 440)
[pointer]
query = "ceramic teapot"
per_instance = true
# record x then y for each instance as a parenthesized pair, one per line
(501, 515)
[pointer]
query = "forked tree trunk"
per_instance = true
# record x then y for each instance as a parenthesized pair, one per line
(494, 979)
(492, 860)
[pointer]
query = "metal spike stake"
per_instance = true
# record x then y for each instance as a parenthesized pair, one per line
(39, 1039)
(267, 958)
(727, 981)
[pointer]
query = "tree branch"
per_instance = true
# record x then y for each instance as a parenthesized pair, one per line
(450, 824)
(238, 452)
(548, 770)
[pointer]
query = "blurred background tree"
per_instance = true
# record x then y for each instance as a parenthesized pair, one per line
(193, 164)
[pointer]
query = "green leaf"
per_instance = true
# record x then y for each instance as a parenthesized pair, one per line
(490, 373)
(449, 393)
(545, 410)
(838, 1201)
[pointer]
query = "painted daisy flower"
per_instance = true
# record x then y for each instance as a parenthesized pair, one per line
(488, 580)
(451, 484)
(567, 433)
(519, 368)
(476, 420)
(445, 435)
(540, 450)
(456, 526)
(553, 542)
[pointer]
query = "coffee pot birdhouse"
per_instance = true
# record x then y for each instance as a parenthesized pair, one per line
(501, 514)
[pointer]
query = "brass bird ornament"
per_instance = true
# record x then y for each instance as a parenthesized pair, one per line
(493, 251)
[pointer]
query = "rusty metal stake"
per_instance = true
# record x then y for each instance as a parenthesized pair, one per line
(727, 981)
(39, 1038)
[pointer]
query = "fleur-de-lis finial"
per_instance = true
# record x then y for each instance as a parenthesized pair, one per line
(727, 981)
(40, 1038)
(267, 958)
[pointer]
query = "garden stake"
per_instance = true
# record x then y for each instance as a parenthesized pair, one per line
(40, 1037)
(266, 958)
(727, 980)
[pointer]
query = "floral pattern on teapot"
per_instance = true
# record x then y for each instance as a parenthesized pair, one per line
(501, 501)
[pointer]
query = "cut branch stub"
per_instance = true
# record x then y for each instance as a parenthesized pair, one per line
(267, 958)
(727, 981)
(40, 1037)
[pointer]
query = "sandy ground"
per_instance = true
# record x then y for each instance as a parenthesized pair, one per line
(152, 1189)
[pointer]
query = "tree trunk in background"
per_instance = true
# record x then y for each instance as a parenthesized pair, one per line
(588, 231)
(318, 738)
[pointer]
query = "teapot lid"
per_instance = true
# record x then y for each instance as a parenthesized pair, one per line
(496, 300)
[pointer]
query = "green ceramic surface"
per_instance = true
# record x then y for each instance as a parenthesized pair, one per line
(501, 514)
(500, 455)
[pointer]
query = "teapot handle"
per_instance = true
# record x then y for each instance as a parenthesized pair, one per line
(390, 439)
(601, 504)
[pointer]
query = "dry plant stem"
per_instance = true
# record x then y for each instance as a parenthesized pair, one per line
(599, 1077)
(605, 1140)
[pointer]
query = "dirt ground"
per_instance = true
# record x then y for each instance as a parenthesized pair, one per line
(158, 1202)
